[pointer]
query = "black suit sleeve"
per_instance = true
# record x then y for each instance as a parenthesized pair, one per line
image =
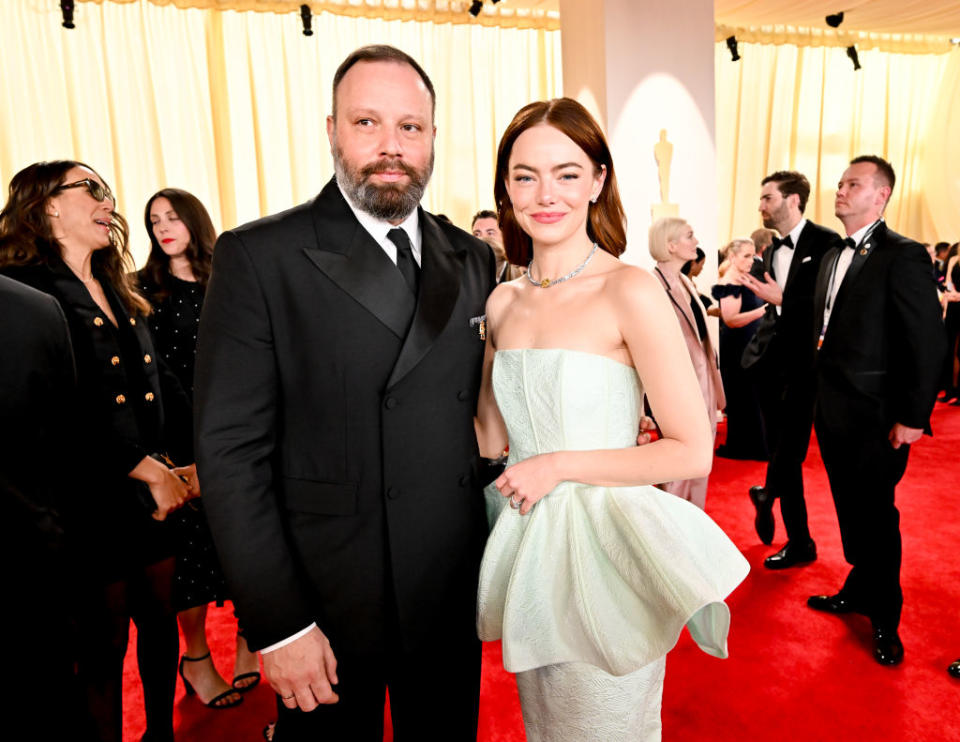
(236, 401)
(917, 324)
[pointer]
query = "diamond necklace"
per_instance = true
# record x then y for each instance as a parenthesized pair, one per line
(546, 283)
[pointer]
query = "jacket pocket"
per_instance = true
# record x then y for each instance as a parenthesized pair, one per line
(320, 498)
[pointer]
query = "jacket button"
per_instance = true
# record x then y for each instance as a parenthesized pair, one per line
(133, 322)
(121, 399)
(98, 321)
(147, 359)
(464, 480)
(393, 493)
(148, 396)
(390, 403)
(115, 361)
(462, 395)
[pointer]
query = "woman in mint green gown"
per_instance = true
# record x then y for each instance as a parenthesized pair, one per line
(591, 573)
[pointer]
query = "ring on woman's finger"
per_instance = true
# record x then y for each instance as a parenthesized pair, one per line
(287, 698)
(515, 503)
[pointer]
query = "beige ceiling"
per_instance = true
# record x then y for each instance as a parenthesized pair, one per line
(932, 17)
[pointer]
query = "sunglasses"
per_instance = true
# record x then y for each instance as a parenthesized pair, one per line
(97, 191)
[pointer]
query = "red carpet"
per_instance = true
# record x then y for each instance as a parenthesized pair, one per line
(792, 674)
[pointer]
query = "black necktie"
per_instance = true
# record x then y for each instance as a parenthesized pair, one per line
(785, 242)
(406, 263)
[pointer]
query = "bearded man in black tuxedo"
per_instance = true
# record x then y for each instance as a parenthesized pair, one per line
(881, 345)
(781, 359)
(338, 369)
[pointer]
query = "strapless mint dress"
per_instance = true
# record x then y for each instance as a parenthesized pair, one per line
(592, 588)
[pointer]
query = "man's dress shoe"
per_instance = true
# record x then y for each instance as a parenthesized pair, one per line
(954, 669)
(887, 647)
(791, 555)
(838, 603)
(763, 522)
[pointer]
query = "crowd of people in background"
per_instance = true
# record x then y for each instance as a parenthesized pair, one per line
(112, 359)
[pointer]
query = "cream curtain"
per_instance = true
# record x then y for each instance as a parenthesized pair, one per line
(804, 108)
(231, 105)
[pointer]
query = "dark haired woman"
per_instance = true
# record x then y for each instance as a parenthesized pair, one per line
(174, 280)
(590, 575)
(60, 233)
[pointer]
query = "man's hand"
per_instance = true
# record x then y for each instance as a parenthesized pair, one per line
(647, 430)
(769, 290)
(302, 671)
(902, 435)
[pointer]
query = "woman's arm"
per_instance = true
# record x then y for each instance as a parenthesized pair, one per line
(732, 316)
(491, 431)
(652, 334)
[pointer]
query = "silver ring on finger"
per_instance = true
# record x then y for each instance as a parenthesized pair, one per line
(515, 503)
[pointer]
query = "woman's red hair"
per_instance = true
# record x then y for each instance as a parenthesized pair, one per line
(606, 221)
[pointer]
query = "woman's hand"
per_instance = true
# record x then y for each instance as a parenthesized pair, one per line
(529, 481)
(189, 473)
(166, 488)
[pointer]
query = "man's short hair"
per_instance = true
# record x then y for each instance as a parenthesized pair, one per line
(381, 53)
(483, 214)
(885, 172)
(762, 238)
(790, 182)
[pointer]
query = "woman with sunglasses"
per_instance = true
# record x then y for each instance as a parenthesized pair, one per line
(174, 281)
(59, 233)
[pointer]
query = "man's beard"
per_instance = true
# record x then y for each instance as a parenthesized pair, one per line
(389, 201)
(776, 217)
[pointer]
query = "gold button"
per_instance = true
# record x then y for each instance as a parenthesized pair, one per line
(115, 361)
(147, 358)
(148, 396)
(98, 321)
(121, 399)
(133, 322)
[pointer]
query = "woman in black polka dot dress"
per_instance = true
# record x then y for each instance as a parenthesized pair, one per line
(174, 280)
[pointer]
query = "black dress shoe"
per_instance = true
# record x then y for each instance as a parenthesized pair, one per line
(887, 647)
(791, 555)
(954, 669)
(838, 603)
(763, 522)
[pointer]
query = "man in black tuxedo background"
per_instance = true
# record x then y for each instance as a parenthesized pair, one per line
(781, 360)
(338, 369)
(881, 345)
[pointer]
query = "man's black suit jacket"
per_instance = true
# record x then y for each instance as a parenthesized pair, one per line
(881, 356)
(336, 449)
(781, 344)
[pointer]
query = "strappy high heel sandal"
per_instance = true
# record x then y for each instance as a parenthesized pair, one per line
(212, 703)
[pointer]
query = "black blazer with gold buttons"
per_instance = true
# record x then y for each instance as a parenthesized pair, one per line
(131, 405)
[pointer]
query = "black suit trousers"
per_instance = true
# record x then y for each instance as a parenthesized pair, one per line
(434, 691)
(787, 406)
(864, 470)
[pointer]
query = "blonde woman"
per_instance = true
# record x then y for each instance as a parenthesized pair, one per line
(740, 313)
(672, 243)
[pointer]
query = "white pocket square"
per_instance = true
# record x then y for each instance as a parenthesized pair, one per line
(807, 259)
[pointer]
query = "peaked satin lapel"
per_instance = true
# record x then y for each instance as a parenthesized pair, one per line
(351, 258)
(441, 268)
(827, 268)
(877, 237)
(686, 311)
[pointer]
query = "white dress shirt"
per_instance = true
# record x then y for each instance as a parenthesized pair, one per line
(841, 267)
(783, 257)
(378, 229)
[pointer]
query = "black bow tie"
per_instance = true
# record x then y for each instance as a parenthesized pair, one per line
(850, 242)
(785, 242)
